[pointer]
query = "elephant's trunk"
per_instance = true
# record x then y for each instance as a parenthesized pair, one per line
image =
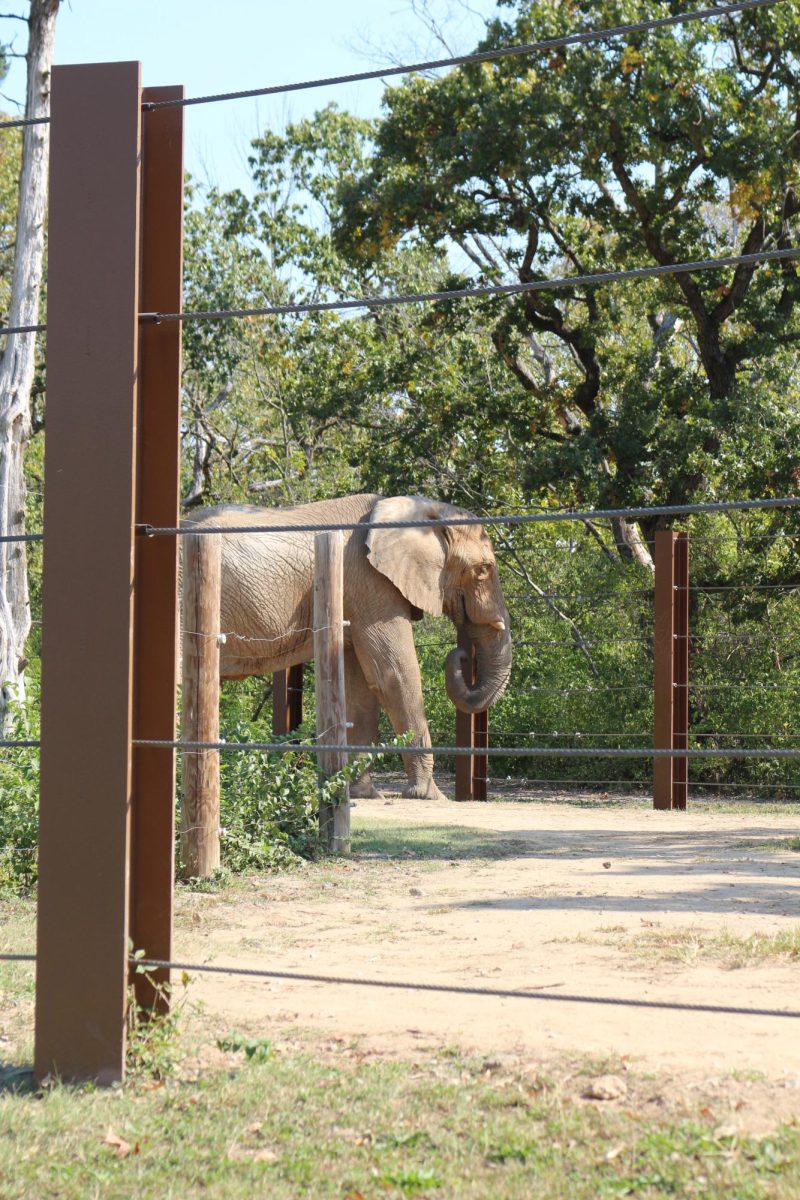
(493, 667)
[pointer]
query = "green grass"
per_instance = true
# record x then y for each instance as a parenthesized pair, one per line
(396, 840)
(694, 946)
(290, 1125)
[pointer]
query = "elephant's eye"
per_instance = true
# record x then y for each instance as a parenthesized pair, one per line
(483, 571)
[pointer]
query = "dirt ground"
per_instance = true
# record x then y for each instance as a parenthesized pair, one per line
(551, 900)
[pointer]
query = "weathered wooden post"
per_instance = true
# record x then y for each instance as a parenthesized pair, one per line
(334, 819)
(202, 563)
(671, 668)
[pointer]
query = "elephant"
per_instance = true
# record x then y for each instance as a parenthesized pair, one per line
(391, 577)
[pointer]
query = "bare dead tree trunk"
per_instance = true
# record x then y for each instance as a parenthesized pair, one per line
(17, 363)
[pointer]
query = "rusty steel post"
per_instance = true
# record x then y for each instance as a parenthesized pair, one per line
(680, 708)
(671, 668)
(287, 700)
(156, 580)
(89, 514)
(480, 762)
(472, 732)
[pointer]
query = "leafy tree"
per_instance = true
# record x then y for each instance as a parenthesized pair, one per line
(671, 146)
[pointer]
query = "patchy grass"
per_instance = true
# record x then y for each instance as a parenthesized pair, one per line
(289, 1123)
(17, 936)
(397, 840)
(776, 845)
(693, 946)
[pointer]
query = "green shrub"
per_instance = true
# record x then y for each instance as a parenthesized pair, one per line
(19, 805)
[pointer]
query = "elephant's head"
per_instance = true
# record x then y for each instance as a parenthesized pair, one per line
(450, 570)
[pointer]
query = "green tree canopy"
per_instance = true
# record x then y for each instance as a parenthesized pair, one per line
(675, 145)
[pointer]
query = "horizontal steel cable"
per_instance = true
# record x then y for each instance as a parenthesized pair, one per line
(644, 785)
(495, 289)
(536, 992)
(710, 589)
(534, 518)
(22, 537)
(434, 64)
(414, 68)
(9, 329)
(456, 751)
(491, 751)
(602, 687)
(571, 39)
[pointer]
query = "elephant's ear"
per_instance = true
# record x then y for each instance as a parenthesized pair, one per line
(414, 559)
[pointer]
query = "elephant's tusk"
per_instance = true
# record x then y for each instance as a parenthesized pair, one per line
(499, 625)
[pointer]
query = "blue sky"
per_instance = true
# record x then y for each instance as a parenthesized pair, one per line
(229, 45)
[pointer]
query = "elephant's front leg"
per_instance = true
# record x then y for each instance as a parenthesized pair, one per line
(388, 659)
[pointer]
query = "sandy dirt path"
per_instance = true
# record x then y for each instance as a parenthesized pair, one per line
(553, 900)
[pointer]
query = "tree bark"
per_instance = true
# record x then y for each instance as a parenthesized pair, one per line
(18, 360)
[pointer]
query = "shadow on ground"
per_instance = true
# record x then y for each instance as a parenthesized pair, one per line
(16, 1080)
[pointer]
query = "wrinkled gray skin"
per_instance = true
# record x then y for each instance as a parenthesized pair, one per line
(391, 576)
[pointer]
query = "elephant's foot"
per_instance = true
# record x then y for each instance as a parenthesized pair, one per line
(424, 791)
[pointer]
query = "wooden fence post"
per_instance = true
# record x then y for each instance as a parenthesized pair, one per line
(671, 668)
(88, 578)
(334, 819)
(202, 564)
(472, 732)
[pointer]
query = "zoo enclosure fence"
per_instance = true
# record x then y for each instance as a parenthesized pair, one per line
(110, 591)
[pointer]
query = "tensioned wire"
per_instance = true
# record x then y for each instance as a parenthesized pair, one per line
(535, 992)
(494, 289)
(453, 751)
(664, 510)
(480, 56)
(571, 39)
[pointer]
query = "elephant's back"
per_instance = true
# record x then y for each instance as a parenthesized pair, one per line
(267, 578)
(345, 510)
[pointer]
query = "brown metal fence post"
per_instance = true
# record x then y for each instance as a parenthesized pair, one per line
(334, 819)
(671, 668)
(89, 514)
(680, 710)
(287, 700)
(202, 566)
(472, 732)
(156, 586)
